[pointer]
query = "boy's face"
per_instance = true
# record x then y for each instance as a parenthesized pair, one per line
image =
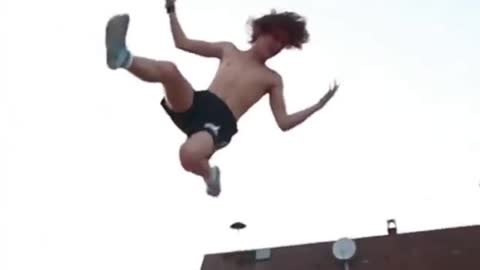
(270, 44)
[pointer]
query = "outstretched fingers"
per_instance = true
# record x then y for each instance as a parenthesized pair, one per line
(335, 86)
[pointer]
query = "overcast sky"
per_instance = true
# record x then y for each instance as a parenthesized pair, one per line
(90, 177)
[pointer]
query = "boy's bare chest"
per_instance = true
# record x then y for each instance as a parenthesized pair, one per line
(245, 72)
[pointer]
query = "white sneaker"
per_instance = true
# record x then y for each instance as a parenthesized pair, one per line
(213, 186)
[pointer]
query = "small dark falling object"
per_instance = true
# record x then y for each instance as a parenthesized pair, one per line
(238, 226)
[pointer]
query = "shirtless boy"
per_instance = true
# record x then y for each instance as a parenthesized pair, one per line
(209, 117)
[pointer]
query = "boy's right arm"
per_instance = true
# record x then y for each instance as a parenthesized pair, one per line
(199, 47)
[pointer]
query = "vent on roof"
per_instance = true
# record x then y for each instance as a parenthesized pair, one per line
(392, 227)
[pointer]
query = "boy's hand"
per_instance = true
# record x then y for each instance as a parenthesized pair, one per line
(329, 94)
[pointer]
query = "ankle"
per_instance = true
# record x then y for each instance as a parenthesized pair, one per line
(207, 175)
(127, 63)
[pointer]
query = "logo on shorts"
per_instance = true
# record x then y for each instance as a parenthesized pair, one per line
(214, 128)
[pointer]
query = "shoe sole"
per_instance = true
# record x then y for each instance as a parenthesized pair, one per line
(116, 31)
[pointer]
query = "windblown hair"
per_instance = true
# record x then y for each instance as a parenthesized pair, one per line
(291, 23)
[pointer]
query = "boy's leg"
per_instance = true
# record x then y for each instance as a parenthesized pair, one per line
(178, 91)
(194, 157)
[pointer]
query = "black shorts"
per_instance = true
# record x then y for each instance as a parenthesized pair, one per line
(207, 113)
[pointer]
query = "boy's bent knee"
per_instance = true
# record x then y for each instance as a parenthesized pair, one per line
(168, 70)
(189, 158)
(196, 150)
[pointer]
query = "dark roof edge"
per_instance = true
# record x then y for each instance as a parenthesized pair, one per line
(359, 238)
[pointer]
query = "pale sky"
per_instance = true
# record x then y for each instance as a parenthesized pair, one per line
(91, 177)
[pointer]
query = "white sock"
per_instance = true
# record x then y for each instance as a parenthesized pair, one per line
(128, 61)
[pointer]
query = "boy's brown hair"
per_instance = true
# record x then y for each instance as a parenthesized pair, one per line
(291, 23)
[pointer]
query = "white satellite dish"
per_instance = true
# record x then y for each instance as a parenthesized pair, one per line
(344, 249)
